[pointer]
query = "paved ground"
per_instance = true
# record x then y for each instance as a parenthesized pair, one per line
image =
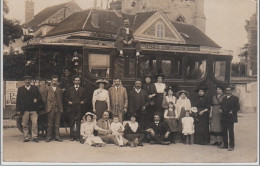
(14, 150)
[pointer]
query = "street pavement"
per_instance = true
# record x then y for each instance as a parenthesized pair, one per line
(246, 150)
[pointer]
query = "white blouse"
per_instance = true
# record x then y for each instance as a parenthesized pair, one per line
(133, 126)
(101, 95)
(160, 87)
(183, 103)
(87, 128)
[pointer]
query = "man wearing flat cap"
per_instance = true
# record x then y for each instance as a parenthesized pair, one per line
(27, 103)
(228, 109)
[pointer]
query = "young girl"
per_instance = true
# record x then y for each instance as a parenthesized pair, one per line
(86, 130)
(170, 119)
(117, 130)
(188, 127)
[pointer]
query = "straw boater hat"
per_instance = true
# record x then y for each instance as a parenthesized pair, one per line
(182, 91)
(203, 87)
(102, 81)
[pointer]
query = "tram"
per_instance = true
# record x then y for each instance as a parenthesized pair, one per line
(192, 60)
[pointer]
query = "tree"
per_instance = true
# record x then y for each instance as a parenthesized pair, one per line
(11, 28)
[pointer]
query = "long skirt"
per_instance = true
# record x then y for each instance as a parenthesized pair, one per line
(202, 129)
(158, 104)
(132, 137)
(182, 114)
(93, 139)
(101, 107)
(215, 125)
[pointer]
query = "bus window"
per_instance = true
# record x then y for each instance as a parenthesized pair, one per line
(99, 65)
(131, 68)
(220, 70)
(144, 67)
(166, 68)
(196, 69)
(119, 67)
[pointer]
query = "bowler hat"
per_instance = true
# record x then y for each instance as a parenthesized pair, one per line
(27, 77)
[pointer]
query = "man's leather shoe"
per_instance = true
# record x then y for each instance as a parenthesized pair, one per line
(59, 140)
(231, 149)
(26, 140)
(71, 139)
(153, 142)
(35, 140)
(141, 144)
(166, 143)
(48, 140)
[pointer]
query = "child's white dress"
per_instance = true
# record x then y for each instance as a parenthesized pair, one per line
(115, 128)
(87, 129)
(187, 126)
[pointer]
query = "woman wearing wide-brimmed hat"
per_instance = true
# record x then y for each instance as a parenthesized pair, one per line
(169, 97)
(160, 91)
(215, 116)
(202, 123)
(87, 128)
(100, 98)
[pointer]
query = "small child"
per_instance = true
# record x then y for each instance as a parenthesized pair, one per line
(117, 130)
(170, 119)
(188, 128)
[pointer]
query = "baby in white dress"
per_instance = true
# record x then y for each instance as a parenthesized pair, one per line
(117, 130)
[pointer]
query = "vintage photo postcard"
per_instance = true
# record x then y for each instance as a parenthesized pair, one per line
(129, 82)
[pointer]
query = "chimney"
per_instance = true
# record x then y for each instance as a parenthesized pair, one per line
(29, 10)
(95, 4)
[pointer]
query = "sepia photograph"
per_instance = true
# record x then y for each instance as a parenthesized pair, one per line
(129, 82)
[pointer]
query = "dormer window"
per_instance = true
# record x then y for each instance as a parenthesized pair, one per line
(160, 30)
(94, 19)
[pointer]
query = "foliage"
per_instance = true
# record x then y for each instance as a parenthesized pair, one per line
(238, 69)
(13, 66)
(11, 28)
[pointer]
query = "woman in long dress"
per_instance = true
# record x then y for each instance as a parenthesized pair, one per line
(100, 100)
(87, 128)
(202, 124)
(215, 117)
(168, 98)
(159, 87)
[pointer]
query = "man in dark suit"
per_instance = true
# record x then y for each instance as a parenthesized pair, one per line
(125, 37)
(27, 102)
(138, 102)
(52, 99)
(158, 132)
(229, 108)
(75, 98)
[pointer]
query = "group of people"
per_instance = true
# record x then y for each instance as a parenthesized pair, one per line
(149, 112)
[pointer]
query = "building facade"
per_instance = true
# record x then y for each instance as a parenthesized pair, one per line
(185, 11)
(251, 28)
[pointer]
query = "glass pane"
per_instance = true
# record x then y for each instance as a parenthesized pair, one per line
(99, 64)
(166, 68)
(119, 67)
(131, 67)
(154, 66)
(196, 69)
(144, 67)
(220, 70)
